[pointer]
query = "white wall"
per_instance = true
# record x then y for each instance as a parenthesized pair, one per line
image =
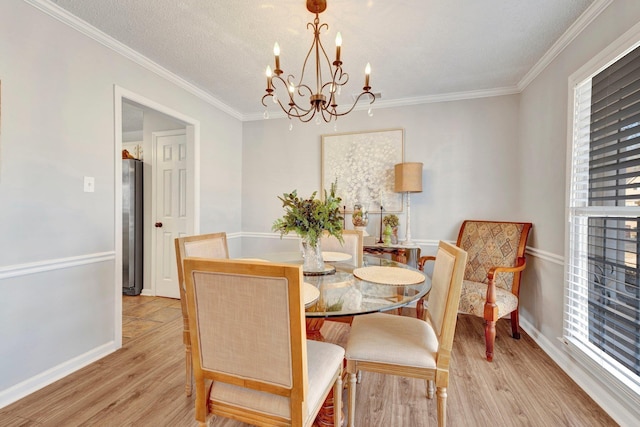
(493, 158)
(469, 151)
(542, 151)
(57, 276)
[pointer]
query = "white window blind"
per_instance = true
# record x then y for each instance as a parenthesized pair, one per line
(602, 301)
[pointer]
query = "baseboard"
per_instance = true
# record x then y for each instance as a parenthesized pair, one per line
(37, 382)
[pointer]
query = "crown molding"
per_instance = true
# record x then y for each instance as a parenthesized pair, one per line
(83, 27)
(592, 12)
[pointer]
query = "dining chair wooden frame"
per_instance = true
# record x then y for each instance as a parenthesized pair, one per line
(246, 321)
(411, 347)
(212, 245)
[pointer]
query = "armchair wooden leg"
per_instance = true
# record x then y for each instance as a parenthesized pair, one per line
(515, 324)
(442, 406)
(490, 337)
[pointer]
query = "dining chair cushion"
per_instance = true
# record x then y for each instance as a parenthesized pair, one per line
(380, 334)
(321, 358)
(474, 295)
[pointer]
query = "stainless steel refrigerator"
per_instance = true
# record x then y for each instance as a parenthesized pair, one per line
(132, 227)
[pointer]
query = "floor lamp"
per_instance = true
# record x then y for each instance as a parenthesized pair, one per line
(408, 180)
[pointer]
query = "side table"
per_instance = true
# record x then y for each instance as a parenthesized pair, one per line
(404, 254)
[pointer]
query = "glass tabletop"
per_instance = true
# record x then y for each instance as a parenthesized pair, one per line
(344, 294)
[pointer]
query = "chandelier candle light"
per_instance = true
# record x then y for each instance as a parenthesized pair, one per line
(408, 179)
(322, 100)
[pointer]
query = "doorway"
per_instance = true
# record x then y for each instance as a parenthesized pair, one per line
(136, 120)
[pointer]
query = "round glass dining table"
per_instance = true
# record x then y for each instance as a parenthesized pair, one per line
(342, 293)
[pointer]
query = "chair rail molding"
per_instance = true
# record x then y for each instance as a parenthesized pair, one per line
(547, 256)
(54, 264)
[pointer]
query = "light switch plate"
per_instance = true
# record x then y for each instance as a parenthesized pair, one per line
(89, 184)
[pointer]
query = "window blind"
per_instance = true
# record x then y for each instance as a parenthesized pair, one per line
(602, 301)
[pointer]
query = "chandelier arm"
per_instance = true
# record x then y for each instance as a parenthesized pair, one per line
(316, 37)
(306, 88)
(292, 102)
(266, 95)
(331, 115)
(292, 111)
(321, 86)
(303, 117)
(306, 58)
(338, 78)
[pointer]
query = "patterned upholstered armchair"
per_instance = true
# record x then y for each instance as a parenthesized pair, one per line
(492, 276)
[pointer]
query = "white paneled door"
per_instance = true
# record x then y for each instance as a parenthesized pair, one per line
(171, 207)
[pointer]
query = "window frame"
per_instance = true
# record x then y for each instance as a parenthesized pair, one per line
(580, 352)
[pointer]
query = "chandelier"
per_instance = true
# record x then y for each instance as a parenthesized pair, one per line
(322, 97)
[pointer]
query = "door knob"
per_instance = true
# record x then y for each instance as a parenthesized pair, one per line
(158, 224)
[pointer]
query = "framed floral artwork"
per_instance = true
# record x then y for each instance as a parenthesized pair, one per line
(362, 164)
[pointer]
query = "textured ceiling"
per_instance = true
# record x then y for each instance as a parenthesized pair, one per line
(417, 48)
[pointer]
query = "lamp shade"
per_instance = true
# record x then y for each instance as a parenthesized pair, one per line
(408, 177)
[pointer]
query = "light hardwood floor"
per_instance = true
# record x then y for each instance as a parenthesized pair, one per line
(142, 384)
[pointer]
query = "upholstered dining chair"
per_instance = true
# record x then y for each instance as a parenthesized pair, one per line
(411, 347)
(352, 245)
(213, 245)
(252, 360)
(491, 288)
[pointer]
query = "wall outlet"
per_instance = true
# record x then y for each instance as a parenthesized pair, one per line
(89, 184)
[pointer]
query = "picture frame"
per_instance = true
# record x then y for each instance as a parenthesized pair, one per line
(362, 165)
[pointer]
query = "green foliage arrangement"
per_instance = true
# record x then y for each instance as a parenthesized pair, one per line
(391, 220)
(310, 217)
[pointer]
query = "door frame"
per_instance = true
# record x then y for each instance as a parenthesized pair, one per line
(193, 140)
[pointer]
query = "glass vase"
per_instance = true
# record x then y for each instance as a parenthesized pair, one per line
(312, 257)
(360, 216)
